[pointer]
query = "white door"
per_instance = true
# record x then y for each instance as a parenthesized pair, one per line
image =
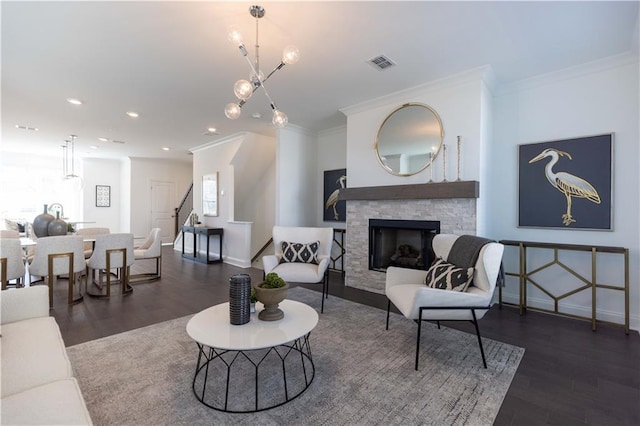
(162, 208)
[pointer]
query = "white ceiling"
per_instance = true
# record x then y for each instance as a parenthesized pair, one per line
(172, 63)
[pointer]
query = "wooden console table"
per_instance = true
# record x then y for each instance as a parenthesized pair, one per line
(591, 283)
(207, 232)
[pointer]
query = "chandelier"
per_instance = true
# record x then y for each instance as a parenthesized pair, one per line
(243, 89)
(68, 173)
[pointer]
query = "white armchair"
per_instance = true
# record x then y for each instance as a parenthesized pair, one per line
(405, 288)
(298, 271)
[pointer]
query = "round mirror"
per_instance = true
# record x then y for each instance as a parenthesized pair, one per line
(409, 139)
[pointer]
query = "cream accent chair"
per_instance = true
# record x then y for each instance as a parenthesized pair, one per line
(405, 288)
(60, 255)
(302, 272)
(150, 249)
(91, 233)
(112, 251)
(11, 261)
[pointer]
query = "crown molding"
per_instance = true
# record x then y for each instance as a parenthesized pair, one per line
(482, 73)
(333, 131)
(231, 138)
(575, 71)
(294, 128)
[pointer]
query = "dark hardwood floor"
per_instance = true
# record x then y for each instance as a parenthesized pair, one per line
(569, 375)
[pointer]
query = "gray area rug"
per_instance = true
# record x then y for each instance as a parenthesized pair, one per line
(364, 374)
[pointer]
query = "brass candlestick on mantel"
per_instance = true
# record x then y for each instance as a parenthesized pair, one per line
(431, 167)
(459, 140)
(444, 162)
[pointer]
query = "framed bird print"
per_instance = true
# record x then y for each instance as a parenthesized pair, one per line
(334, 210)
(566, 184)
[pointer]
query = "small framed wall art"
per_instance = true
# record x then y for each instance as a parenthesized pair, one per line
(566, 184)
(103, 196)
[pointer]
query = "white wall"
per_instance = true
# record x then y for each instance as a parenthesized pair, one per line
(102, 172)
(145, 170)
(246, 183)
(255, 176)
(296, 177)
(592, 99)
(458, 101)
(331, 154)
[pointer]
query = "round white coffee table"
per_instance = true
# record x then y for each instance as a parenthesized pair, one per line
(229, 354)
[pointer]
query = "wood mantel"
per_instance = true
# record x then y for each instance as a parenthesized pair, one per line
(437, 190)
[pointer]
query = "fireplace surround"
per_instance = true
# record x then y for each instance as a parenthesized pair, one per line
(453, 204)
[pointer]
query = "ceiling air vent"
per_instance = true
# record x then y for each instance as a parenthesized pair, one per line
(381, 62)
(115, 141)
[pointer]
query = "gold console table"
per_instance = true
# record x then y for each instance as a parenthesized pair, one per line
(591, 283)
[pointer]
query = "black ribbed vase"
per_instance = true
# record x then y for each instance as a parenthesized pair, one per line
(239, 299)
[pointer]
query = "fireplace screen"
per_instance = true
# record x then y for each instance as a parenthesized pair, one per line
(403, 243)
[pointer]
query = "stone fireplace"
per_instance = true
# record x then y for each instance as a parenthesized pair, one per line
(456, 214)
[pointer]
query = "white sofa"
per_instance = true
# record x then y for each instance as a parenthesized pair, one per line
(38, 386)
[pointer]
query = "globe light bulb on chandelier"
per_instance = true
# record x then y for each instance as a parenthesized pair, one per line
(243, 89)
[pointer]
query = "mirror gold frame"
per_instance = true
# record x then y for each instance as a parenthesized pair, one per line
(409, 139)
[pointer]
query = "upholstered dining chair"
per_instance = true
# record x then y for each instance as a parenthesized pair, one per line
(112, 251)
(150, 249)
(60, 255)
(9, 233)
(458, 294)
(11, 261)
(87, 233)
(302, 255)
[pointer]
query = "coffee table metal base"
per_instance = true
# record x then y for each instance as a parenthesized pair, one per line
(226, 360)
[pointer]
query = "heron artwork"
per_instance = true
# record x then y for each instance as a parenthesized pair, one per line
(332, 200)
(570, 185)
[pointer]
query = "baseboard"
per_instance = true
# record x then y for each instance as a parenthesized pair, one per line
(240, 263)
(582, 311)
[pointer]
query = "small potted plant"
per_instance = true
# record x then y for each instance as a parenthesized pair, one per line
(270, 293)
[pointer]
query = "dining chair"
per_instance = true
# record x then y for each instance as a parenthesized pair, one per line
(56, 256)
(111, 252)
(87, 233)
(302, 255)
(11, 262)
(150, 249)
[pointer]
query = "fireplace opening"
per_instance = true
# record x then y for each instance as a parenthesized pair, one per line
(403, 243)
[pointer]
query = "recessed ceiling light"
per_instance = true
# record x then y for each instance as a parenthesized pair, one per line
(18, 126)
(212, 130)
(166, 148)
(94, 146)
(74, 101)
(133, 114)
(103, 139)
(256, 115)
